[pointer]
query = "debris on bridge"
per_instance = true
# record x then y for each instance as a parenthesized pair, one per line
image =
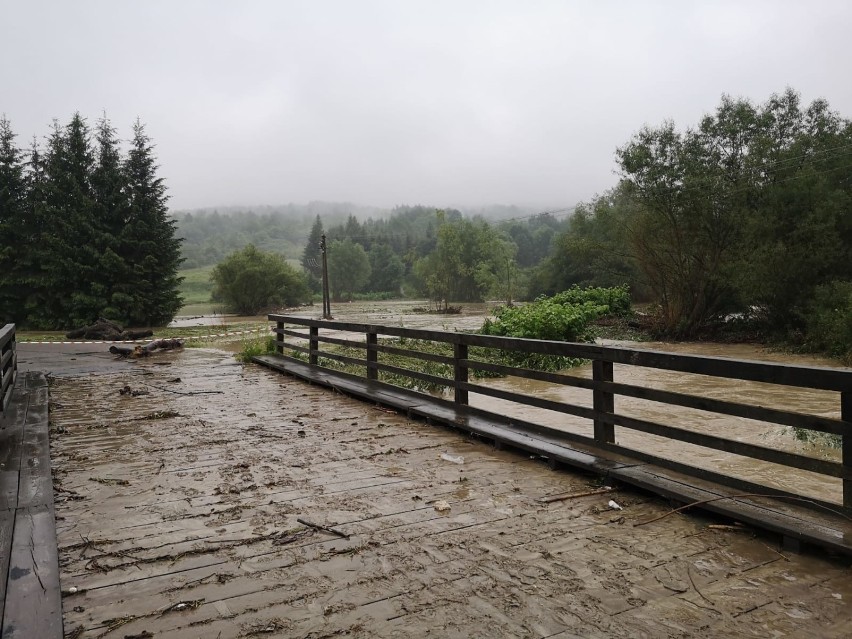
(167, 344)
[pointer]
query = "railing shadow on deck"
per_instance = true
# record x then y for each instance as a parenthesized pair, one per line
(8, 365)
(604, 388)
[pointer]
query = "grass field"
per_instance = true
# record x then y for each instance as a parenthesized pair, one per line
(196, 286)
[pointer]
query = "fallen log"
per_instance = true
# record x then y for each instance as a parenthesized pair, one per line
(143, 351)
(108, 331)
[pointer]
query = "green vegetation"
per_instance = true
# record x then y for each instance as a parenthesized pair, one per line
(250, 280)
(409, 362)
(254, 347)
(744, 215)
(85, 230)
(348, 269)
(196, 285)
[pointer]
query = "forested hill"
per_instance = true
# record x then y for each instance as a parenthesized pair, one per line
(209, 235)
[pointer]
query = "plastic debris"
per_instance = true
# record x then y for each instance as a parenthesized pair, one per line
(442, 506)
(614, 505)
(456, 459)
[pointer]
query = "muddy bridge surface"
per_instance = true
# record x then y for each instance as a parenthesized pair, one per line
(198, 497)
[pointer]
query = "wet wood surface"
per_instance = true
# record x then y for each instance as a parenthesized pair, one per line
(30, 604)
(829, 529)
(177, 515)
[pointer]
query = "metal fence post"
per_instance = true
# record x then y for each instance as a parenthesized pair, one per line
(603, 401)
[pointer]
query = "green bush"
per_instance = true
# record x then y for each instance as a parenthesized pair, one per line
(617, 298)
(250, 280)
(546, 319)
(829, 321)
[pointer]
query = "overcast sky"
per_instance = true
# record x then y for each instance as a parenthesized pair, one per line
(402, 102)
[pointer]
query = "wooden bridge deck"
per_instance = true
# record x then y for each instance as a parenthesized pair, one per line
(30, 604)
(795, 524)
(178, 514)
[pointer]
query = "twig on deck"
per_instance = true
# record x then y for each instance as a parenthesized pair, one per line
(692, 581)
(740, 496)
(565, 496)
(323, 528)
(169, 390)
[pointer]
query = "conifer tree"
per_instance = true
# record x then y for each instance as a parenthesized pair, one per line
(148, 242)
(12, 204)
(116, 286)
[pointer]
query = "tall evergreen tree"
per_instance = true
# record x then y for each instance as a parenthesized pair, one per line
(148, 241)
(12, 209)
(69, 239)
(115, 286)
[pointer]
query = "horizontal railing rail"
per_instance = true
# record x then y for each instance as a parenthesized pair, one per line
(8, 365)
(603, 414)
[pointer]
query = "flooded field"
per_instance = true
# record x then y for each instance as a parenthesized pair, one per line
(197, 497)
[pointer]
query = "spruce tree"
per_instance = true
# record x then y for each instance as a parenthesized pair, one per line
(148, 242)
(12, 241)
(73, 214)
(115, 285)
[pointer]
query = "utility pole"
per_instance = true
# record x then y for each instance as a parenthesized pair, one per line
(326, 298)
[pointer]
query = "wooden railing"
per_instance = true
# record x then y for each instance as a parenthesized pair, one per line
(603, 413)
(8, 365)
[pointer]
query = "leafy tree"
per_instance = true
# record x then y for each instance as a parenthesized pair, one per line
(748, 209)
(468, 262)
(386, 269)
(348, 268)
(595, 250)
(250, 280)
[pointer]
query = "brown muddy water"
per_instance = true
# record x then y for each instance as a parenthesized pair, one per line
(180, 509)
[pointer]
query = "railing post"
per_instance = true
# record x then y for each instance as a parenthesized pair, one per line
(603, 401)
(313, 344)
(279, 339)
(460, 376)
(372, 354)
(846, 416)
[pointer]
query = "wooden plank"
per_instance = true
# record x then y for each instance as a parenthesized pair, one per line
(36, 484)
(414, 354)
(755, 451)
(33, 602)
(7, 527)
(819, 377)
(827, 533)
(736, 409)
(11, 438)
(531, 400)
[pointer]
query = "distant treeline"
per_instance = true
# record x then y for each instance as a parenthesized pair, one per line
(84, 230)
(209, 235)
(745, 217)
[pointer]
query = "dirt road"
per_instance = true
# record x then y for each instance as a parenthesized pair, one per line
(178, 505)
